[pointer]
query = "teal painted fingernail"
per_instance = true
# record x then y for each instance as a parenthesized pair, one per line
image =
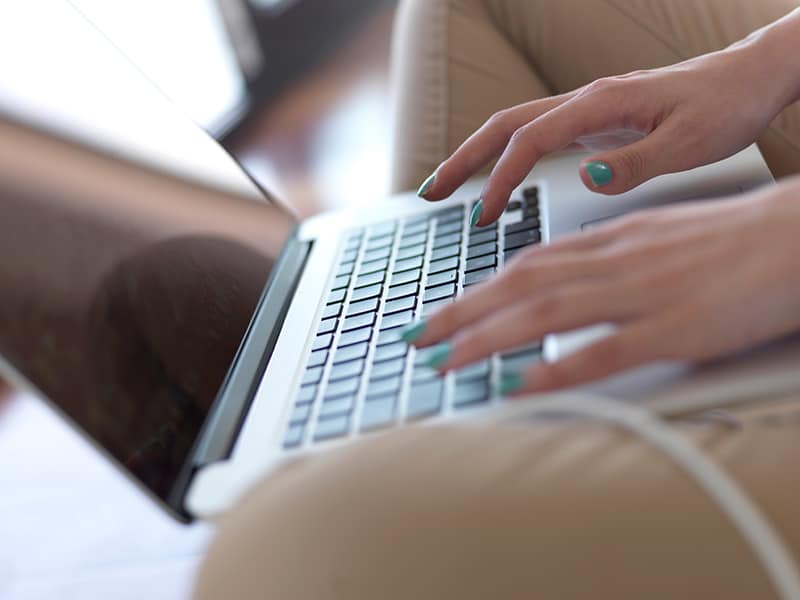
(426, 185)
(477, 211)
(510, 384)
(599, 172)
(439, 355)
(412, 332)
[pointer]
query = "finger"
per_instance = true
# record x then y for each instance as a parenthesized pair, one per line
(498, 293)
(549, 133)
(622, 169)
(632, 345)
(575, 306)
(483, 146)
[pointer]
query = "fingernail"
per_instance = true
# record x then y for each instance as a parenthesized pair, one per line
(477, 211)
(510, 384)
(413, 332)
(426, 185)
(599, 172)
(439, 355)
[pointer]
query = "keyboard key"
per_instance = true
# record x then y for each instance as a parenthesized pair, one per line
(475, 264)
(359, 321)
(481, 250)
(530, 212)
(349, 353)
(382, 229)
(369, 280)
(422, 373)
(375, 265)
(406, 289)
(317, 358)
(307, 394)
(479, 370)
(378, 414)
(416, 239)
(345, 387)
(345, 269)
(523, 238)
(407, 264)
(509, 254)
(406, 276)
(451, 227)
(519, 361)
(442, 278)
(331, 310)
(401, 304)
(389, 368)
(445, 252)
(439, 292)
(390, 352)
(337, 407)
(474, 277)
(483, 237)
(340, 282)
(470, 393)
(383, 387)
(355, 337)
(431, 307)
(312, 376)
(362, 293)
(446, 240)
(410, 252)
(379, 243)
(332, 428)
(337, 296)
(397, 319)
(356, 308)
(390, 336)
(524, 225)
(353, 241)
(347, 370)
(531, 194)
(322, 341)
(450, 214)
(378, 253)
(447, 264)
(417, 227)
(425, 399)
(294, 436)
(349, 256)
(489, 227)
(513, 206)
(327, 325)
(300, 414)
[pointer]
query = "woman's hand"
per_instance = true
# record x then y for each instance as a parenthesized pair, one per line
(643, 124)
(686, 282)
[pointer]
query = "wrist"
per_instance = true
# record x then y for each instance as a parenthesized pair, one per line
(774, 51)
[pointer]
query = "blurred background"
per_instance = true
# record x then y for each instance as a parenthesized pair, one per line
(299, 92)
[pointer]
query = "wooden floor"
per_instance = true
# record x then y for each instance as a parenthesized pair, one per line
(70, 525)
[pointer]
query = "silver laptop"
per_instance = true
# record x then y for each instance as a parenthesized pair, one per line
(321, 362)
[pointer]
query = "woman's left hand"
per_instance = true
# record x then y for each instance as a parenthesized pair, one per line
(684, 282)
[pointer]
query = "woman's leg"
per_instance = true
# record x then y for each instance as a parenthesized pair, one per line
(533, 511)
(459, 61)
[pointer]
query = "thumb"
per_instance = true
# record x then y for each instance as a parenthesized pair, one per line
(622, 169)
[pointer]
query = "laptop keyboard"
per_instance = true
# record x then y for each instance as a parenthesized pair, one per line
(360, 375)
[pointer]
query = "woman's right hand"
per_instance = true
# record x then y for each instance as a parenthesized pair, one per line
(641, 125)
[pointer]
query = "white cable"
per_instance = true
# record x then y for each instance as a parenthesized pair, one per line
(768, 546)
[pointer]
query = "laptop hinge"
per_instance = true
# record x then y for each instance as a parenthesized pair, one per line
(228, 411)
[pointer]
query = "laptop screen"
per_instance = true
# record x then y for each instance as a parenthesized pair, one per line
(133, 251)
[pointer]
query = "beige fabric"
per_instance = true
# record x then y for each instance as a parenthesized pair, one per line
(541, 510)
(459, 61)
(544, 509)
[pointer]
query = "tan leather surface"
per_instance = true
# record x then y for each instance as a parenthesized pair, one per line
(538, 510)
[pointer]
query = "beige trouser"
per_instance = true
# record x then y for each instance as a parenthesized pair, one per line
(545, 509)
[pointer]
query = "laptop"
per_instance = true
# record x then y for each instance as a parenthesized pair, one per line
(320, 362)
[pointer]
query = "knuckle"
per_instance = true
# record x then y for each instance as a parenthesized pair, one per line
(632, 164)
(502, 120)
